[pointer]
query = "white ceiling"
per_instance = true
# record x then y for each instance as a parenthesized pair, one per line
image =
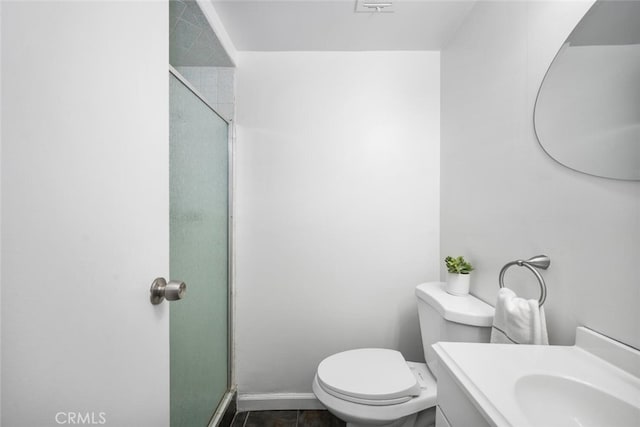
(333, 25)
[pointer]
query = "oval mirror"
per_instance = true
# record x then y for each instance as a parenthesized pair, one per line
(587, 114)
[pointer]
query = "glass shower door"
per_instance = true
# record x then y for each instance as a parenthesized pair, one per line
(199, 256)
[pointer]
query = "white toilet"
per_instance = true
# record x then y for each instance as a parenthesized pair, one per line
(378, 387)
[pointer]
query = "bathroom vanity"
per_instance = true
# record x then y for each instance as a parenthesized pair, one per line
(596, 382)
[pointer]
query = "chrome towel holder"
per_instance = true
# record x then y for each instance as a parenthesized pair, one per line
(538, 261)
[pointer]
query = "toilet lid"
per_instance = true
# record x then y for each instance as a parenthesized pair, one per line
(368, 375)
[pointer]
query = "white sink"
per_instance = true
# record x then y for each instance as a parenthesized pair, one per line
(549, 400)
(595, 383)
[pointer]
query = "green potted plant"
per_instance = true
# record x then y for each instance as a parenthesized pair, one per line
(458, 275)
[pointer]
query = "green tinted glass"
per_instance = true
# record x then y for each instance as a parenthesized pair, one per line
(199, 257)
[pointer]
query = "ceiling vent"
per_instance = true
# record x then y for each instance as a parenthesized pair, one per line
(374, 6)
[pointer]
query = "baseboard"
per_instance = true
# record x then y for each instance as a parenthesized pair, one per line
(277, 401)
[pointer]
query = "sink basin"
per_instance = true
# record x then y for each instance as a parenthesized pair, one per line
(594, 383)
(549, 400)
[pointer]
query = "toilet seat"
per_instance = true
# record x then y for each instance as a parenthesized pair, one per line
(368, 414)
(370, 376)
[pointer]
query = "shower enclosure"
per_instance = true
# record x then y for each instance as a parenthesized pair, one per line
(199, 256)
(200, 232)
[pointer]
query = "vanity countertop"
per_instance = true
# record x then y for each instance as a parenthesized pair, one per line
(528, 385)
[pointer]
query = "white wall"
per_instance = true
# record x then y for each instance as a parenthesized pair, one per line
(503, 198)
(85, 208)
(336, 209)
(0, 211)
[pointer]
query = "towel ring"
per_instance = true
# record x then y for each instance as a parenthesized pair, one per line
(540, 261)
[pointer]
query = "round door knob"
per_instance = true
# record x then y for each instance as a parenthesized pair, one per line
(175, 290)
(172, 291)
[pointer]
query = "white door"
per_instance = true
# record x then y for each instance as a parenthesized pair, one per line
(85, 209)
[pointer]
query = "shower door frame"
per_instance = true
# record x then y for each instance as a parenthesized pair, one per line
(228, 396)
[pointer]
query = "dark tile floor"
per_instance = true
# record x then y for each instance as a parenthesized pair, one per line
(286, 419)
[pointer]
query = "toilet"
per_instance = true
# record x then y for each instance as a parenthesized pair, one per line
(378, 387)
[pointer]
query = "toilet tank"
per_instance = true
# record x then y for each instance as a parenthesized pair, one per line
(446, 317)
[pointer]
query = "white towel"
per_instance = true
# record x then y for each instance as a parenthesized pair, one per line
(518, 321)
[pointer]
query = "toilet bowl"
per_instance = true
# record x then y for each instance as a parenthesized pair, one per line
(378, 387)
(375, 387)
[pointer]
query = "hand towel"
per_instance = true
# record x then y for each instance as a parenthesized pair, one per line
(518, 321)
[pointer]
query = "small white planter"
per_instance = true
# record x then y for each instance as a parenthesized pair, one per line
(458, 284)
